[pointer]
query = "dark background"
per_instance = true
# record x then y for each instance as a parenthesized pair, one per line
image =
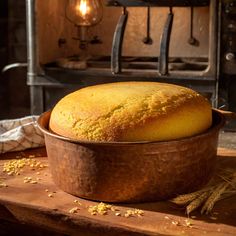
(14, 93)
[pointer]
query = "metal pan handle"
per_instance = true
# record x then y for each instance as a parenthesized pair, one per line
(227, 114)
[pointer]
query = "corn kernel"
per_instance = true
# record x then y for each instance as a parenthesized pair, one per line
(76, 201)
(2, 185)
(73, 210)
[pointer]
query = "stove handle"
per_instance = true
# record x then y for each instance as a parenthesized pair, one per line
(14, 65)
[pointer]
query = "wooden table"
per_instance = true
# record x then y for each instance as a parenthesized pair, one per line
(31, 204)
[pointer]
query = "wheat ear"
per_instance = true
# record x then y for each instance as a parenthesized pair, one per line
(214, 197)
(189, 197)
(197, 202)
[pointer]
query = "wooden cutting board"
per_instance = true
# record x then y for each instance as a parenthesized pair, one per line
(44, 205)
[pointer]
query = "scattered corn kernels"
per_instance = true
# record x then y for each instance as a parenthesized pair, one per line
(100, 209)
(14, 167)
(30, 180)
(134, 212)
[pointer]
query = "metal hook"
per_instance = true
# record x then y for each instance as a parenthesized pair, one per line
(164, 46)
(192, 40)
(148, 39)
(117, 42)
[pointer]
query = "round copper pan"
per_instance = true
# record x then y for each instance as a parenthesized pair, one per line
(131, 171)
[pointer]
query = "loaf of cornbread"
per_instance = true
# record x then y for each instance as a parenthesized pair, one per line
(131, 111)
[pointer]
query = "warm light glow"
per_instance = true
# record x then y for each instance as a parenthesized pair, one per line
(84, 12)
(83, 8)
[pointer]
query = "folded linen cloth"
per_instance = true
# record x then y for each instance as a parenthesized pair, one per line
(20, 134)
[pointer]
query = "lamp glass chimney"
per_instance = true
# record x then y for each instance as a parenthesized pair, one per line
(84, 12)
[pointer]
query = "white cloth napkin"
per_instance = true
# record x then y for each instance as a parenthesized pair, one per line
(20, 134)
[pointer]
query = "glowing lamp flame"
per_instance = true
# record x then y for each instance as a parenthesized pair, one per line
(84, 12)
(82, 8)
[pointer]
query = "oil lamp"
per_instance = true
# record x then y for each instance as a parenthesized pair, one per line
(84, 13)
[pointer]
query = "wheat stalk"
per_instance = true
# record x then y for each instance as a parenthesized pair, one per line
(214, 197)
(216, 190)
(189, 197)
(197, 202)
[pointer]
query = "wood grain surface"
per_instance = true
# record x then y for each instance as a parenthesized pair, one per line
(30, 204)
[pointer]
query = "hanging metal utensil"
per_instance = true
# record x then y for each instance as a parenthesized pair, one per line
(192, 40)
(164, 45)
(117, 42)
(148, 39)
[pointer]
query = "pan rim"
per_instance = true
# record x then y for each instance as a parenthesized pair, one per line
(218, 123)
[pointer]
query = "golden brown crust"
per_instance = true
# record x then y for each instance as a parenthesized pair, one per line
(131, 111)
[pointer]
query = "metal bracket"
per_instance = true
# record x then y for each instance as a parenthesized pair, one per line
(117, 43)
(164, 45)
